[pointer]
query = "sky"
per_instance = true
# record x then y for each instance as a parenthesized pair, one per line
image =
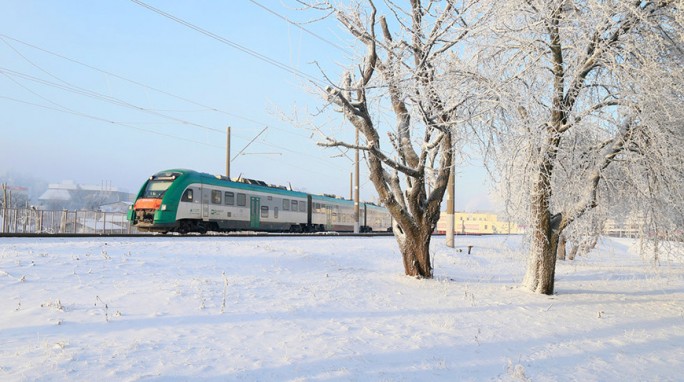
(113, 92)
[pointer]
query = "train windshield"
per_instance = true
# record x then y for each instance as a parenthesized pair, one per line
(156, 188)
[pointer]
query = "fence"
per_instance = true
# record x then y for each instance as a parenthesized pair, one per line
(26, 220)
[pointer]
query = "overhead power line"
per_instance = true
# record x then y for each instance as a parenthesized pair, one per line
(271, 11)
(101, 97)
(209, 108)
(5, 37)
(63, 85)
(96, 118)
(232, 44)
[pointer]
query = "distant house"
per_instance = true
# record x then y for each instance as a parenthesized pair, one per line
(477, 223)
(72, 196)
(632, 225)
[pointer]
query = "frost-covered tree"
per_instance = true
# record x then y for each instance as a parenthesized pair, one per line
(409, 70)
(590, 104)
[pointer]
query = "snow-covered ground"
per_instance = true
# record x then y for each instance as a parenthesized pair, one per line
(330, 309)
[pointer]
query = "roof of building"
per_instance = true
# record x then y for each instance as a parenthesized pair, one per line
(56, 194)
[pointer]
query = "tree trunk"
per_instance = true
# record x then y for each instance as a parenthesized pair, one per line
(560, 253)
(541, 263)
(414, 246)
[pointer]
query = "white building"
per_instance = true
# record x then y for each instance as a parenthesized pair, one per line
(72, 196)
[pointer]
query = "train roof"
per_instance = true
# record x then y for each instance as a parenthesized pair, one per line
(245, 184)
(193, 176)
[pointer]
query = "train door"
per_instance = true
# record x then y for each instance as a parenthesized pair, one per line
(309, 211)
(205, 202)
(328, 217)
(363, 219)
(254, 212)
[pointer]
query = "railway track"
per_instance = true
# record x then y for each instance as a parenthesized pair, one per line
(210, 234)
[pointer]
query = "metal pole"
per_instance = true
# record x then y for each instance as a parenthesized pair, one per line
(228, 152)
(357, 227)
(450, 207)
(4, 207)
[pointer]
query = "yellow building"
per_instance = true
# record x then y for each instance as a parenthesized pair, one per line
(631, 226)
(475, 223)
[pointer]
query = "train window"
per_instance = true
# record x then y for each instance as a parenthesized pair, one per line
(302, 207)
(270, 197)
(294, 206)
(275, 212)
(156, 188)
(264, 211)
(286, 204)
(230, 198)
(187, 195)
(241, 200)
(216, 196)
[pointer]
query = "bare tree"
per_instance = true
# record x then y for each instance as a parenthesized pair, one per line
(409, 66)
(590, 100)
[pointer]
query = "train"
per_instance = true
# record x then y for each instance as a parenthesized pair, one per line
(185, 201)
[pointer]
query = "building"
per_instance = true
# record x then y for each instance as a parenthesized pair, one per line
(72, 196)
(632, 225)
(477, 223)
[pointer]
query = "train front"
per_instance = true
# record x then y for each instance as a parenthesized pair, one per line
(155, 206)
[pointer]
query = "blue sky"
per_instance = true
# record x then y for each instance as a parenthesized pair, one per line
(110, 91)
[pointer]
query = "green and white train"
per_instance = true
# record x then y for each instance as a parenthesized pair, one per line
(189, 201)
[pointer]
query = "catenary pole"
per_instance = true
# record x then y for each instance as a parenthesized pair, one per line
(450, 208)
(228, 152)
(357, 227)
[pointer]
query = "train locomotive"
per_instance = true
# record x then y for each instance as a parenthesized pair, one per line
(189, 201)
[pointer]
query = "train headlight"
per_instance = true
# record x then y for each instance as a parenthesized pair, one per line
(163, 207)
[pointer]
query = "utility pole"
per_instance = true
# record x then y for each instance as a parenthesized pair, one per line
(357, 226)
(4, 207)
(228, 152)
(450, 207)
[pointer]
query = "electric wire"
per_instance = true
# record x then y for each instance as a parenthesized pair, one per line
(123, 124)
(5, 37)
(102, 97)
(232, 44)
(8, 72)
(271, 11)
(85, 92)
(68, 111)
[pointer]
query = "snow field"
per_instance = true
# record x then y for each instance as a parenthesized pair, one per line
(331, 309)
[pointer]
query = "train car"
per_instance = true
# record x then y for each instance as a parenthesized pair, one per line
(189, 201)
(336, 214)
(376, 218)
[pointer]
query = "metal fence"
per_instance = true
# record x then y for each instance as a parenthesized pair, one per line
(26, 220)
